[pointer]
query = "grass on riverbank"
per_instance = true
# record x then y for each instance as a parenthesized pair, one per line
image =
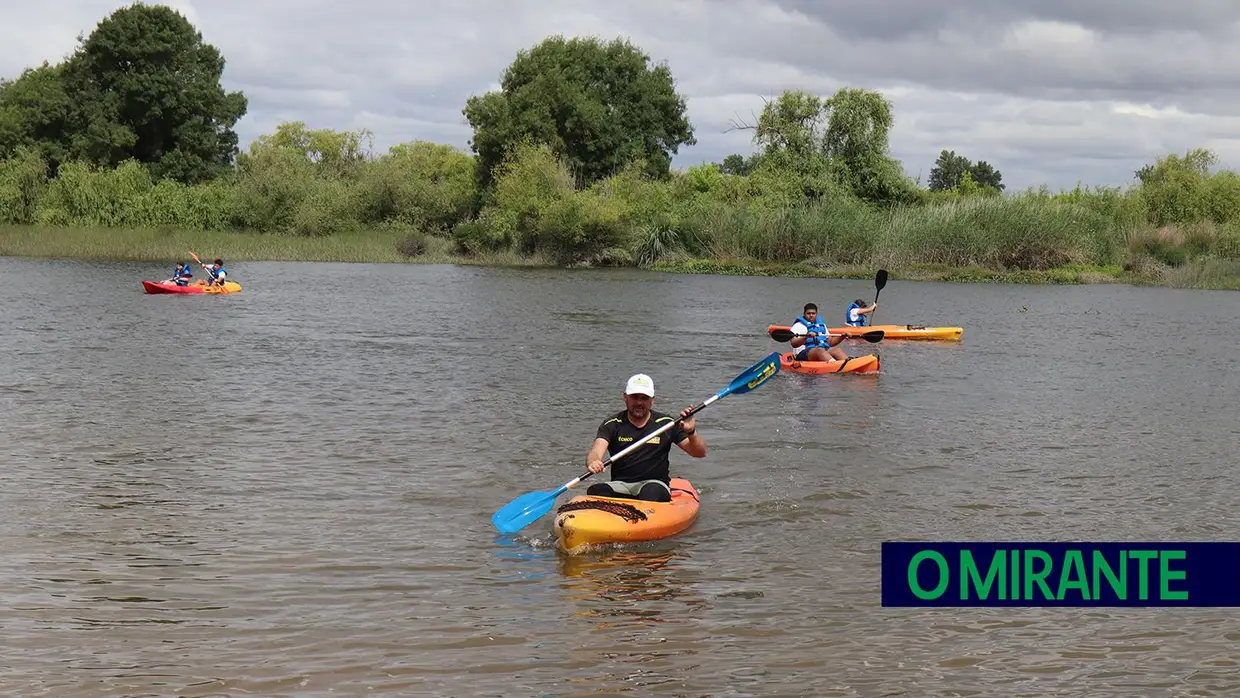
(1071, 274)
(387, 246)
(168, 245)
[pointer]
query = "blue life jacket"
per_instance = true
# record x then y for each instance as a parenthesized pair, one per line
(811, 342)
(861, 319)
(215, 273)
(182, 270)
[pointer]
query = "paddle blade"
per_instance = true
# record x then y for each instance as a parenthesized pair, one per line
(880, 279)
(782, 335)
(523, 511)
(755, 375)
(873, 336)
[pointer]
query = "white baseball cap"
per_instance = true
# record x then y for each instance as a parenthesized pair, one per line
(640, 384)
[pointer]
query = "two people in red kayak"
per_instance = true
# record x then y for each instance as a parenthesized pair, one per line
(216, 274)
(818, 344)
(645, 472)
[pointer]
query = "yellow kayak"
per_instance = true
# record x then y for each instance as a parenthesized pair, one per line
(904, 331)
(590, 520)
(892, 331)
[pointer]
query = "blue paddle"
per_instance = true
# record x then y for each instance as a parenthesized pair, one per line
(530, 507)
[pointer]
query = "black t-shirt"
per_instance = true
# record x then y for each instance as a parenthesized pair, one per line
(648, 461)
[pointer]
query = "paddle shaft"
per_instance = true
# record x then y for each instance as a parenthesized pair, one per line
(786, 335)
(880, 280)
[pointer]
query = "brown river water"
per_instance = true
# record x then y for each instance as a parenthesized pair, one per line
(287, 491)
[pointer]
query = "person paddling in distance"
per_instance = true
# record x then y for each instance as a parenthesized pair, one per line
(217, 272)
(182, 275)
(857, 311)
(819, 345)
(645, 472)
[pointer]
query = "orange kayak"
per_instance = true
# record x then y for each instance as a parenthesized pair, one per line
(893, 331)
(590, 520)
(853, 364)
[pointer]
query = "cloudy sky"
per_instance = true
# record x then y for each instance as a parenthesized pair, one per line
(1052, 91)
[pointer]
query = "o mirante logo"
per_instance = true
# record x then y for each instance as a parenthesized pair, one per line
(1060, 574)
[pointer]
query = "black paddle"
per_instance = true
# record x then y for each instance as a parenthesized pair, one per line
(786, 335)
(880, 280)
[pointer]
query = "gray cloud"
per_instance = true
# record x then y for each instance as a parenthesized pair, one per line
(1054, 91)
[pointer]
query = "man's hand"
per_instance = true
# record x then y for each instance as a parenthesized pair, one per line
(688, 423)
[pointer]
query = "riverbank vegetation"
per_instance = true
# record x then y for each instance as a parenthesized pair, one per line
(570, 166)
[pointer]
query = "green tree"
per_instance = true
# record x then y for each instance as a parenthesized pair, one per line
(947, 171)
(335, 153)
(858, 149)
(1175, 188)
(599, 105)
(987, 176)
(34, 112)
(949, 168)
(737, 164)
(145, 86)
(426, 184)
(843, 138)
(790, 128)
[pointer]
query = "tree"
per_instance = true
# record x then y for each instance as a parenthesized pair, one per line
(949, 168)
(791, 126)
(843, 137)
(599, 105)
(947, 171)
(145, 86)
(857, 146)
(987, 176)
(737, 164)
(339, 154)
(1181, 189)
(34, 110)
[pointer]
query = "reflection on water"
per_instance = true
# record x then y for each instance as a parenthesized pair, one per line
(619, 577)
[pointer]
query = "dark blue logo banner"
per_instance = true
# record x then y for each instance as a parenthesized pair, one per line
(1060, 574)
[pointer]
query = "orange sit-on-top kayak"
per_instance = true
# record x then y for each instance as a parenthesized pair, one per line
(590, 520)
(853, 364)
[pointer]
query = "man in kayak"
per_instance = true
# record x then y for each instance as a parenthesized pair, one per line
(819, 345)
(857, 311)
(216, 270)
(645, 472)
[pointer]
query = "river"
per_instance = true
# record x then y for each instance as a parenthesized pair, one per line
(287, 491)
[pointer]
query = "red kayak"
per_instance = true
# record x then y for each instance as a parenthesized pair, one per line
(169, 287)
